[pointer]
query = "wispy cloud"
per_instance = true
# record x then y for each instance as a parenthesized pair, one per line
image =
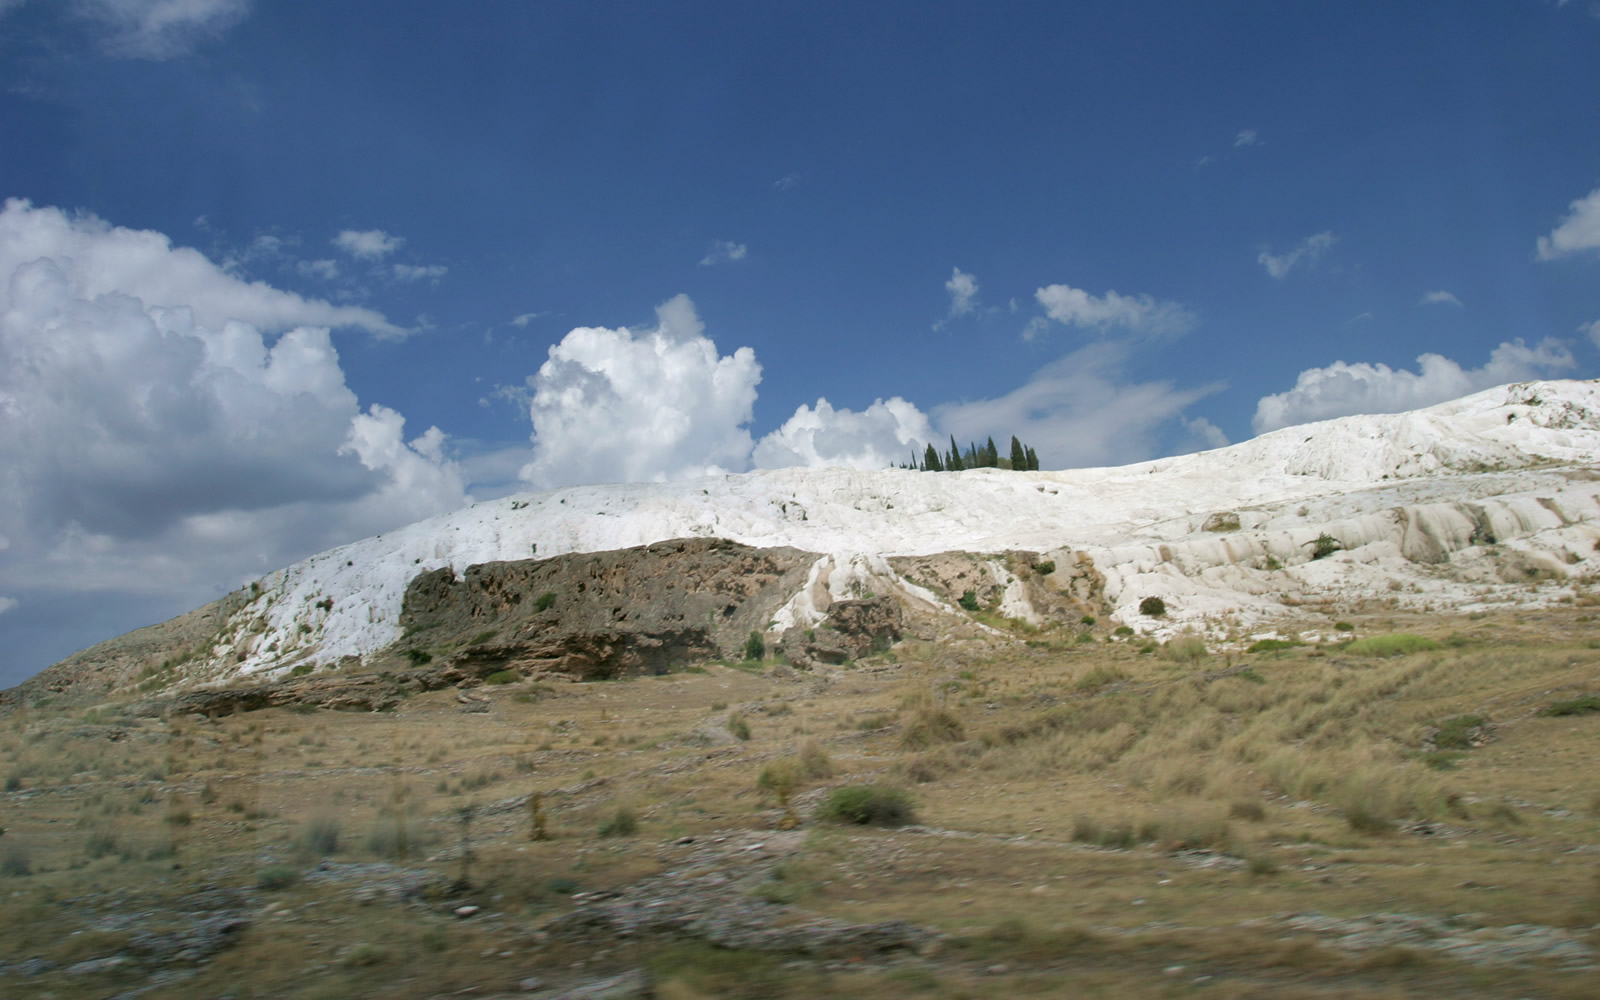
(325, 270)
(525, 318)
(963, 289)
(158, 29)
(1308, 250)
(410, 272)
(1246, 137)
(723, 251)
(787, 182)
(1439, 298)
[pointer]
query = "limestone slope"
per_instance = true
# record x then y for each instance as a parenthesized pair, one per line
(1475, 500)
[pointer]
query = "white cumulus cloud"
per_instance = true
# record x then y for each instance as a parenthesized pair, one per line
(1246, 137)
(367, 244)
(160, 29)
(1579, 231)
(1138, 313)
(1439, 298)
(649, 405)
(1308, 250)
(167, 430)
(884, 434)
(1593, 330)
(1342, 389)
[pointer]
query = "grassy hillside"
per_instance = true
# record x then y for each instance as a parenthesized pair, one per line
(1373, 816)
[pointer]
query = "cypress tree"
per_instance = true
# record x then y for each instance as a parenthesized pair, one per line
(1033, 460)
(954, 462)
(930, 460)
(991, 456)
(973, 461)
(1019, 457)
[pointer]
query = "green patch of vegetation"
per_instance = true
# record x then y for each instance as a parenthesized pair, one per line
(1122, 631)
(1324, 546)
(1455, 733)
(546, 601)
(1343, 627)
(1045, 568)
(1272, 645)
(868, 805)
(755, 647)
(1153, 607)
(969, 600)
(1393, 644)
(483, 637)
(1585, 705)
(1441, 760)
(419, 656)
(503, 677)
(738, 725)
(276, 877)
(622, 823)
(301, 669)
(1086, 620)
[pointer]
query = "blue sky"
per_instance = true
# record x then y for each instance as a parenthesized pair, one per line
(595, 242)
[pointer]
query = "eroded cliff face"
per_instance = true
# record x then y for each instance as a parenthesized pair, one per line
(601, 614)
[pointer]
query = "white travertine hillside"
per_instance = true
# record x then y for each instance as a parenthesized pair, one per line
(1453, 505)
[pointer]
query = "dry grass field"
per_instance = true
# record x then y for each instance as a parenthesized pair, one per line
(1059, 813)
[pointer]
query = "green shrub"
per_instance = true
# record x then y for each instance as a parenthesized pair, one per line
(483, 637)
(738, 725)
(1086, 620)
(1394, 644)
(1272, 645)
(419, 656)
(969, 600)
(1045, 568)
(1343, 627)
(301, 669)
(320, 835)
(868, 805)
(623, 823)
(1154, 607)
(1122, 631)
(546, 601)
(755, 647)
(276, 877)
(1584, 705)
(1325, 545)
(15, 862)
(503, 677)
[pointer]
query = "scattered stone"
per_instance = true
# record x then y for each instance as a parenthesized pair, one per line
(466, 911)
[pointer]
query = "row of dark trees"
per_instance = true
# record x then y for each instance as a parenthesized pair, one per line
(986, 456)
